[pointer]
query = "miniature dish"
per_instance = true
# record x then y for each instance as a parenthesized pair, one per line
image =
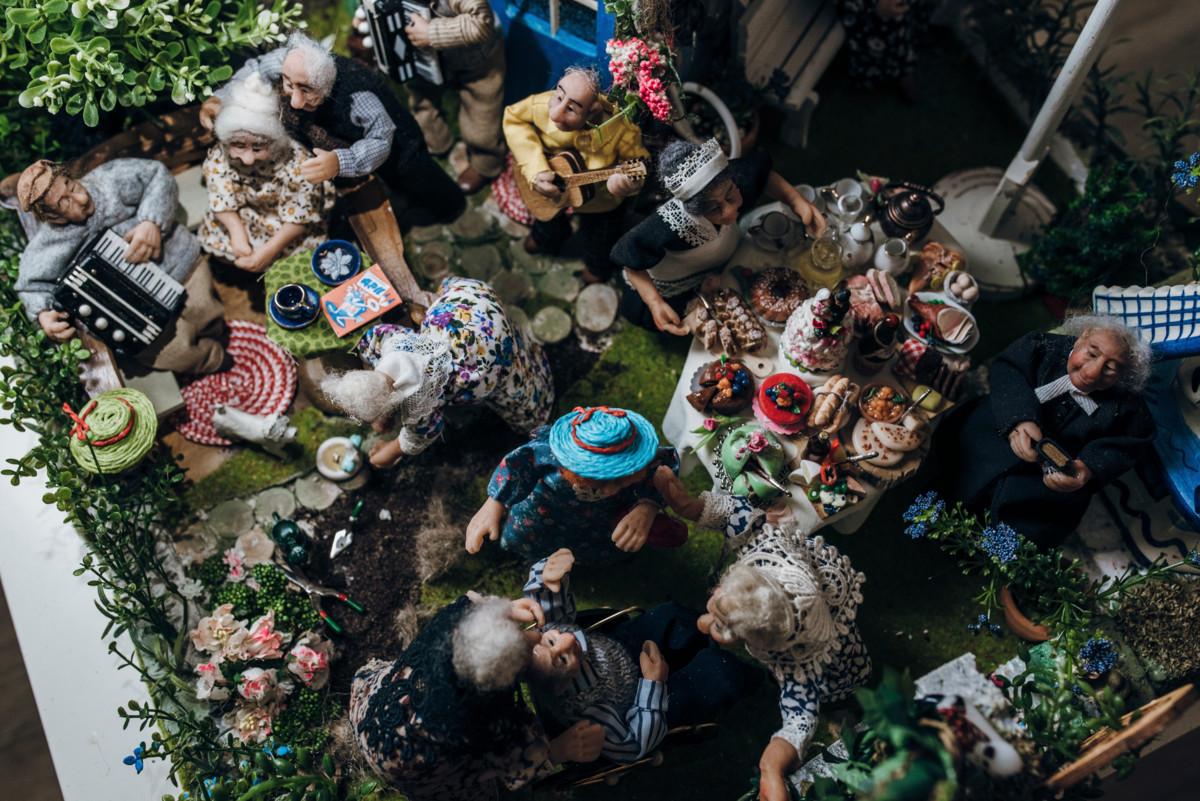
(961, 287)
(782, 403)
(939, 298)
(335, 455)
(335, 261)
(882, 403)
(723, 387)
(293, 306)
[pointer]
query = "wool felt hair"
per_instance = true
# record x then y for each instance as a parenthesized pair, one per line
(490, 649)
(250, 105)
(603, 443)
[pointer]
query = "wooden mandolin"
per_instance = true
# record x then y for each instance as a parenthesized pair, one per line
(575, 181)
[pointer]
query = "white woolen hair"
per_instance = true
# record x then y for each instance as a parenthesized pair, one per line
(1137, 370)
(365, 395)
(318, 61)
(755, 609)
(490, 649)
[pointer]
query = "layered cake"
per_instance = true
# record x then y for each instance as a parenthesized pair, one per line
(725, 387)
(784, 400)
(816, 338)
(754, 460)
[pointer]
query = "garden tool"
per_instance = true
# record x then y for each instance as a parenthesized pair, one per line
(343, 538)
(316, 592)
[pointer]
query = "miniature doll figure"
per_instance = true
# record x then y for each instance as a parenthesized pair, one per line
(466, 35)
(575, 115)
(792, 601)
(445, 720)
(584, 483)
(693, 235)
(355, 126)
(260, 208)
(1064, 417)
(466, 351)
(139, 200)
(644, 676)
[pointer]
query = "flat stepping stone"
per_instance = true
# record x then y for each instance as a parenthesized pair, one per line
(425, 234)
(472, 225)
(559, 283)
(231, 518)
(519, 319)
(481, 262)
(275, 501)
(518, 259)
(512, 287)
(196, 543)
(316, 492)
(507, 224)
(551, 324)
(435, 259)
(596, 308)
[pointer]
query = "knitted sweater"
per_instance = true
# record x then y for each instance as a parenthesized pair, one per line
(125, 192)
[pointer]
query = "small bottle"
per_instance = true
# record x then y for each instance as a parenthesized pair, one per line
(818, 446)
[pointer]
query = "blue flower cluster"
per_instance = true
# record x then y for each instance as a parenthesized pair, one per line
(981, 624)
(1098, 655)
(923, 513)
(1187, 173)
(1000, 542)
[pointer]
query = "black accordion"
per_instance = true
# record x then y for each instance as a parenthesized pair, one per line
(393, 52)
(126, 305)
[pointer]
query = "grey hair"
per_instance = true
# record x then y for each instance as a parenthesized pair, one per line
(365, 395)
(1137, 370)
(674, 154)
(490, 649)
(318, 61)
(590, 74)
(754, 608)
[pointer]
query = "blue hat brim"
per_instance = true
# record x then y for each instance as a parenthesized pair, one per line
(602, 466)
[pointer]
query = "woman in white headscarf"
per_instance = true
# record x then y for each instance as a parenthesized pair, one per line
(466, 351)
(695, 233)
(259, 206)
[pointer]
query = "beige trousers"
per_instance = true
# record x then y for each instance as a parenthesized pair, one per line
(192, 343)
(480, 108)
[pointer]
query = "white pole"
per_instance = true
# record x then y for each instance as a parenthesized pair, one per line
(1062, 95)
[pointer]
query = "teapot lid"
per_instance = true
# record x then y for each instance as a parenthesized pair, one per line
(910, 209)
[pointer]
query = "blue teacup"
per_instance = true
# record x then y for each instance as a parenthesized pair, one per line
(296, 303)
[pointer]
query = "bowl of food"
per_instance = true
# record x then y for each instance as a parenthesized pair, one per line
(335, 261)
(882, 403)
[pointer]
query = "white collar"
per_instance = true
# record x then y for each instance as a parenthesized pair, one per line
(1064, 386)
(693, 230)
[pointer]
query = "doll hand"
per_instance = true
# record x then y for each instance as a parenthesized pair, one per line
(557, 566)
(631, 533)
(323, 166)
(544, 184)
(256, 262)
(386, 454)
(56, 324)
(240, 244)
(527, 610)
(145, 242)
(417, 31)
(583, 742)
(209, 110)
(814, 221)
(1022, 440)
(486, 522)
(654, 667)
(1061, 482)
(667, 319)
(676, 495)
(621, 185)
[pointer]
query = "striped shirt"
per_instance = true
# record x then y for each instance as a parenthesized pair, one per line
(634, 722)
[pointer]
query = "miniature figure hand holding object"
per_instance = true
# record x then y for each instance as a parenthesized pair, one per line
(814, 221)
(583, 742)
(621, 185)
(486, 522)
(676, 495)
(386, 454)
(256, 261)
(56, 324)
(557, 566)
(631, 533)
(1023, 440)
(417, 31)
(667, 319)
(145, 242)
(773, 765)
(323, 166)
(1062, 482)
(544, 183)
(527, 610)
(654, 667)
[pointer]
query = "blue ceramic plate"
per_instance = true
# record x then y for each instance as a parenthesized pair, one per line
(290, 325)
(335, 244)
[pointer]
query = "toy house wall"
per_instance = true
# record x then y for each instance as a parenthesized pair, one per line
(535, 57)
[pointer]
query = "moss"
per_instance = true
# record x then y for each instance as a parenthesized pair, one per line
(250, 470)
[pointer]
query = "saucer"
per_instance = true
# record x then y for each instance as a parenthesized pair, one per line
(336, 244)
(290, 325)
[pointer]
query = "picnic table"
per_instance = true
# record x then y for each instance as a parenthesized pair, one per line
(317, 338)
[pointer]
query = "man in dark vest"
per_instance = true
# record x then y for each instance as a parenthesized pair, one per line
(355, 126)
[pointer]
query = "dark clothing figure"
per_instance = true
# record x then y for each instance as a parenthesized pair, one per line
(597, 231)
(881, 48)
(979, 467)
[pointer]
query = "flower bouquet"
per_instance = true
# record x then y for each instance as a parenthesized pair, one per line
(641, 70)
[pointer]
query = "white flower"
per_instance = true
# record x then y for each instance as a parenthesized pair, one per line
(250, 723)
(211, 686)
(260, 641)
(214, 633)
(262, 686)
(190, 588)
(309, 660)
(237, 565)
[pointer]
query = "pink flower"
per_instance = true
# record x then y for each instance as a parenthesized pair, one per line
(309, 660)
(250, 723)
(262, 686)
(213, 634)
(876, 185)
(757, 442)
(262, 641)
(709, 424)
(211, 686)
(236, 562)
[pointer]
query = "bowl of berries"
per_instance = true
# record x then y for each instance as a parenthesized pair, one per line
(782, 402)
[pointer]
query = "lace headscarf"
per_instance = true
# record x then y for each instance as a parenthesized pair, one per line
(420, 401)
(688, 179)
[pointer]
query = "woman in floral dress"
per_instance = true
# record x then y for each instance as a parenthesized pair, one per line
(467, 351)
(259, 207)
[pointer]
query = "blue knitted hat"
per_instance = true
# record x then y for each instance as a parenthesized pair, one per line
(603, 443)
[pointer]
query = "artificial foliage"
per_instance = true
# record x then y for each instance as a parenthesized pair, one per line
(1099, 239)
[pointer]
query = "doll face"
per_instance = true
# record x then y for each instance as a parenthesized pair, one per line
(572, 103)
(1097, 361)
(297, 85)
(556, 656)
(727, 201)
(713, 624)
(249, 150)
(66, 201)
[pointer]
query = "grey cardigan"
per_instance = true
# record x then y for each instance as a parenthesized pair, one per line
(125, 193)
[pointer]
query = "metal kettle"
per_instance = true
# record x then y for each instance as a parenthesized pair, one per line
(905, 209)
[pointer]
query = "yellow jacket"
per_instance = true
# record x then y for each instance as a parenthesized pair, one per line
(531, 136)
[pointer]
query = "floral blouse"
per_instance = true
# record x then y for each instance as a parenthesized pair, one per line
(266, 196)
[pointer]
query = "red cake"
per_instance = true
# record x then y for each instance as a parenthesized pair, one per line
(784, 399)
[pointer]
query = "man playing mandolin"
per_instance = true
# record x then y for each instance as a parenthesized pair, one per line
(573, 117)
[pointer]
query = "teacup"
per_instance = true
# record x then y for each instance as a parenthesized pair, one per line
(851, 207)
(294, 303)
(810, 194)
